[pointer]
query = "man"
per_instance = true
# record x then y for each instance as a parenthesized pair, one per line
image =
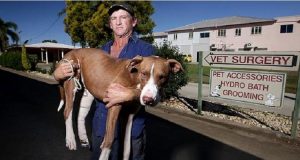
(124, 45)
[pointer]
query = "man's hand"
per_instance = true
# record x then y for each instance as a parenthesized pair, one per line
(63, 71)
(116, 94)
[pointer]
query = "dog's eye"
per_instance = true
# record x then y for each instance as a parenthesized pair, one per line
(161, 77)
(143, 75)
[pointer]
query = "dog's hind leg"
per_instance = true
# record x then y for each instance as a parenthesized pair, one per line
(85, 105)
(70, 94)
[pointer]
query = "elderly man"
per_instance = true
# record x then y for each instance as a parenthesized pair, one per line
(125, 44)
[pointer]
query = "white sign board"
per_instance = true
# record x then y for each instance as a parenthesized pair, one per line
(259, 59)
(266, 88)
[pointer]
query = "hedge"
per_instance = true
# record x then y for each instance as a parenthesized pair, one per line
(11, 60)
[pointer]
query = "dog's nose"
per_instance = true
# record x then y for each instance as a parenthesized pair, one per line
(148, 100)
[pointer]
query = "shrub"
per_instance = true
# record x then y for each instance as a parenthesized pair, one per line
(52, 68)
(11, 60)
(176, 81)
(44, 71)
(25, 62)
(33, 60)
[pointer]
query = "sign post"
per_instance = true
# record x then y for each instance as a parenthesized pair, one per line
(200, 82)
(296, 112)
(234, 85)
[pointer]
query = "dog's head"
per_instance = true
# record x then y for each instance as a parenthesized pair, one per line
(153, 72)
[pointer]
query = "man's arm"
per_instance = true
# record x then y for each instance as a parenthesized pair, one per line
(116, 94)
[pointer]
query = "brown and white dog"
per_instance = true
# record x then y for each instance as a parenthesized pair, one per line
(97, 70)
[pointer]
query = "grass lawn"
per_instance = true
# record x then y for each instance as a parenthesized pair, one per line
(290, 87)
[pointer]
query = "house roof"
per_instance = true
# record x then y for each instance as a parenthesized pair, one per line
(234, 20)
(50, 45)
(160, 34)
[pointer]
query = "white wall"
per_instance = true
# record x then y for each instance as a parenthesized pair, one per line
(190, 46)
(270, 38)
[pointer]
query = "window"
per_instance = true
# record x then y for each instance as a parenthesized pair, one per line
(256, 30)
(221, 32)
(204, 35)
(237, 32)
(175, 36)
(286, 28)
(190, 35)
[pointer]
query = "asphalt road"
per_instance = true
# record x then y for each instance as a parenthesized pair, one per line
(32, 129)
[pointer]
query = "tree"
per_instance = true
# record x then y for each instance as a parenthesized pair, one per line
(24, 59)
(87, 21)
(48, 40)
(7, 29)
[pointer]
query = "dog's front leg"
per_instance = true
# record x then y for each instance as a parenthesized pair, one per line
(85, 106)
(112, 117)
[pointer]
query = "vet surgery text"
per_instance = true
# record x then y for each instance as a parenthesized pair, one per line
(262, 60)
(251, 60)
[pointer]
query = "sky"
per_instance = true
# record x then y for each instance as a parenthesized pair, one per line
(38, 20)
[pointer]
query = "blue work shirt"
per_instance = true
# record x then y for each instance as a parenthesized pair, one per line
(134, 47)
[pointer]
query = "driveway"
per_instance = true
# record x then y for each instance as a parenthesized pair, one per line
(32, 129)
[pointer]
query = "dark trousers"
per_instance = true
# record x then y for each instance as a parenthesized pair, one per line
(137, 152)
(138, 147)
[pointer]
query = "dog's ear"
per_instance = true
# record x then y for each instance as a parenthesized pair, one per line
(134, 62)
(175, 65)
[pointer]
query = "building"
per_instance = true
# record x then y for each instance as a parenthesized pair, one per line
(236, 34)
(48, 51)
(160, 38)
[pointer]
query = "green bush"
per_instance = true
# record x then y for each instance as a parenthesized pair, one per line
(44, 71)
(11, 60)
(52, 68)
(176, 81)
(25, 61)
(33, 60)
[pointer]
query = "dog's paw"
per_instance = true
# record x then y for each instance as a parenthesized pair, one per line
(71, 143)
(85, 143)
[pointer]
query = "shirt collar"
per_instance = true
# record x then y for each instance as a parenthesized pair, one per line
(134, 37)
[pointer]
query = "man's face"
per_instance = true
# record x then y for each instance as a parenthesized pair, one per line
(122, 23)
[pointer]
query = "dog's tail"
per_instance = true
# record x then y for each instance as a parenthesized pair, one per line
(62, 98)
